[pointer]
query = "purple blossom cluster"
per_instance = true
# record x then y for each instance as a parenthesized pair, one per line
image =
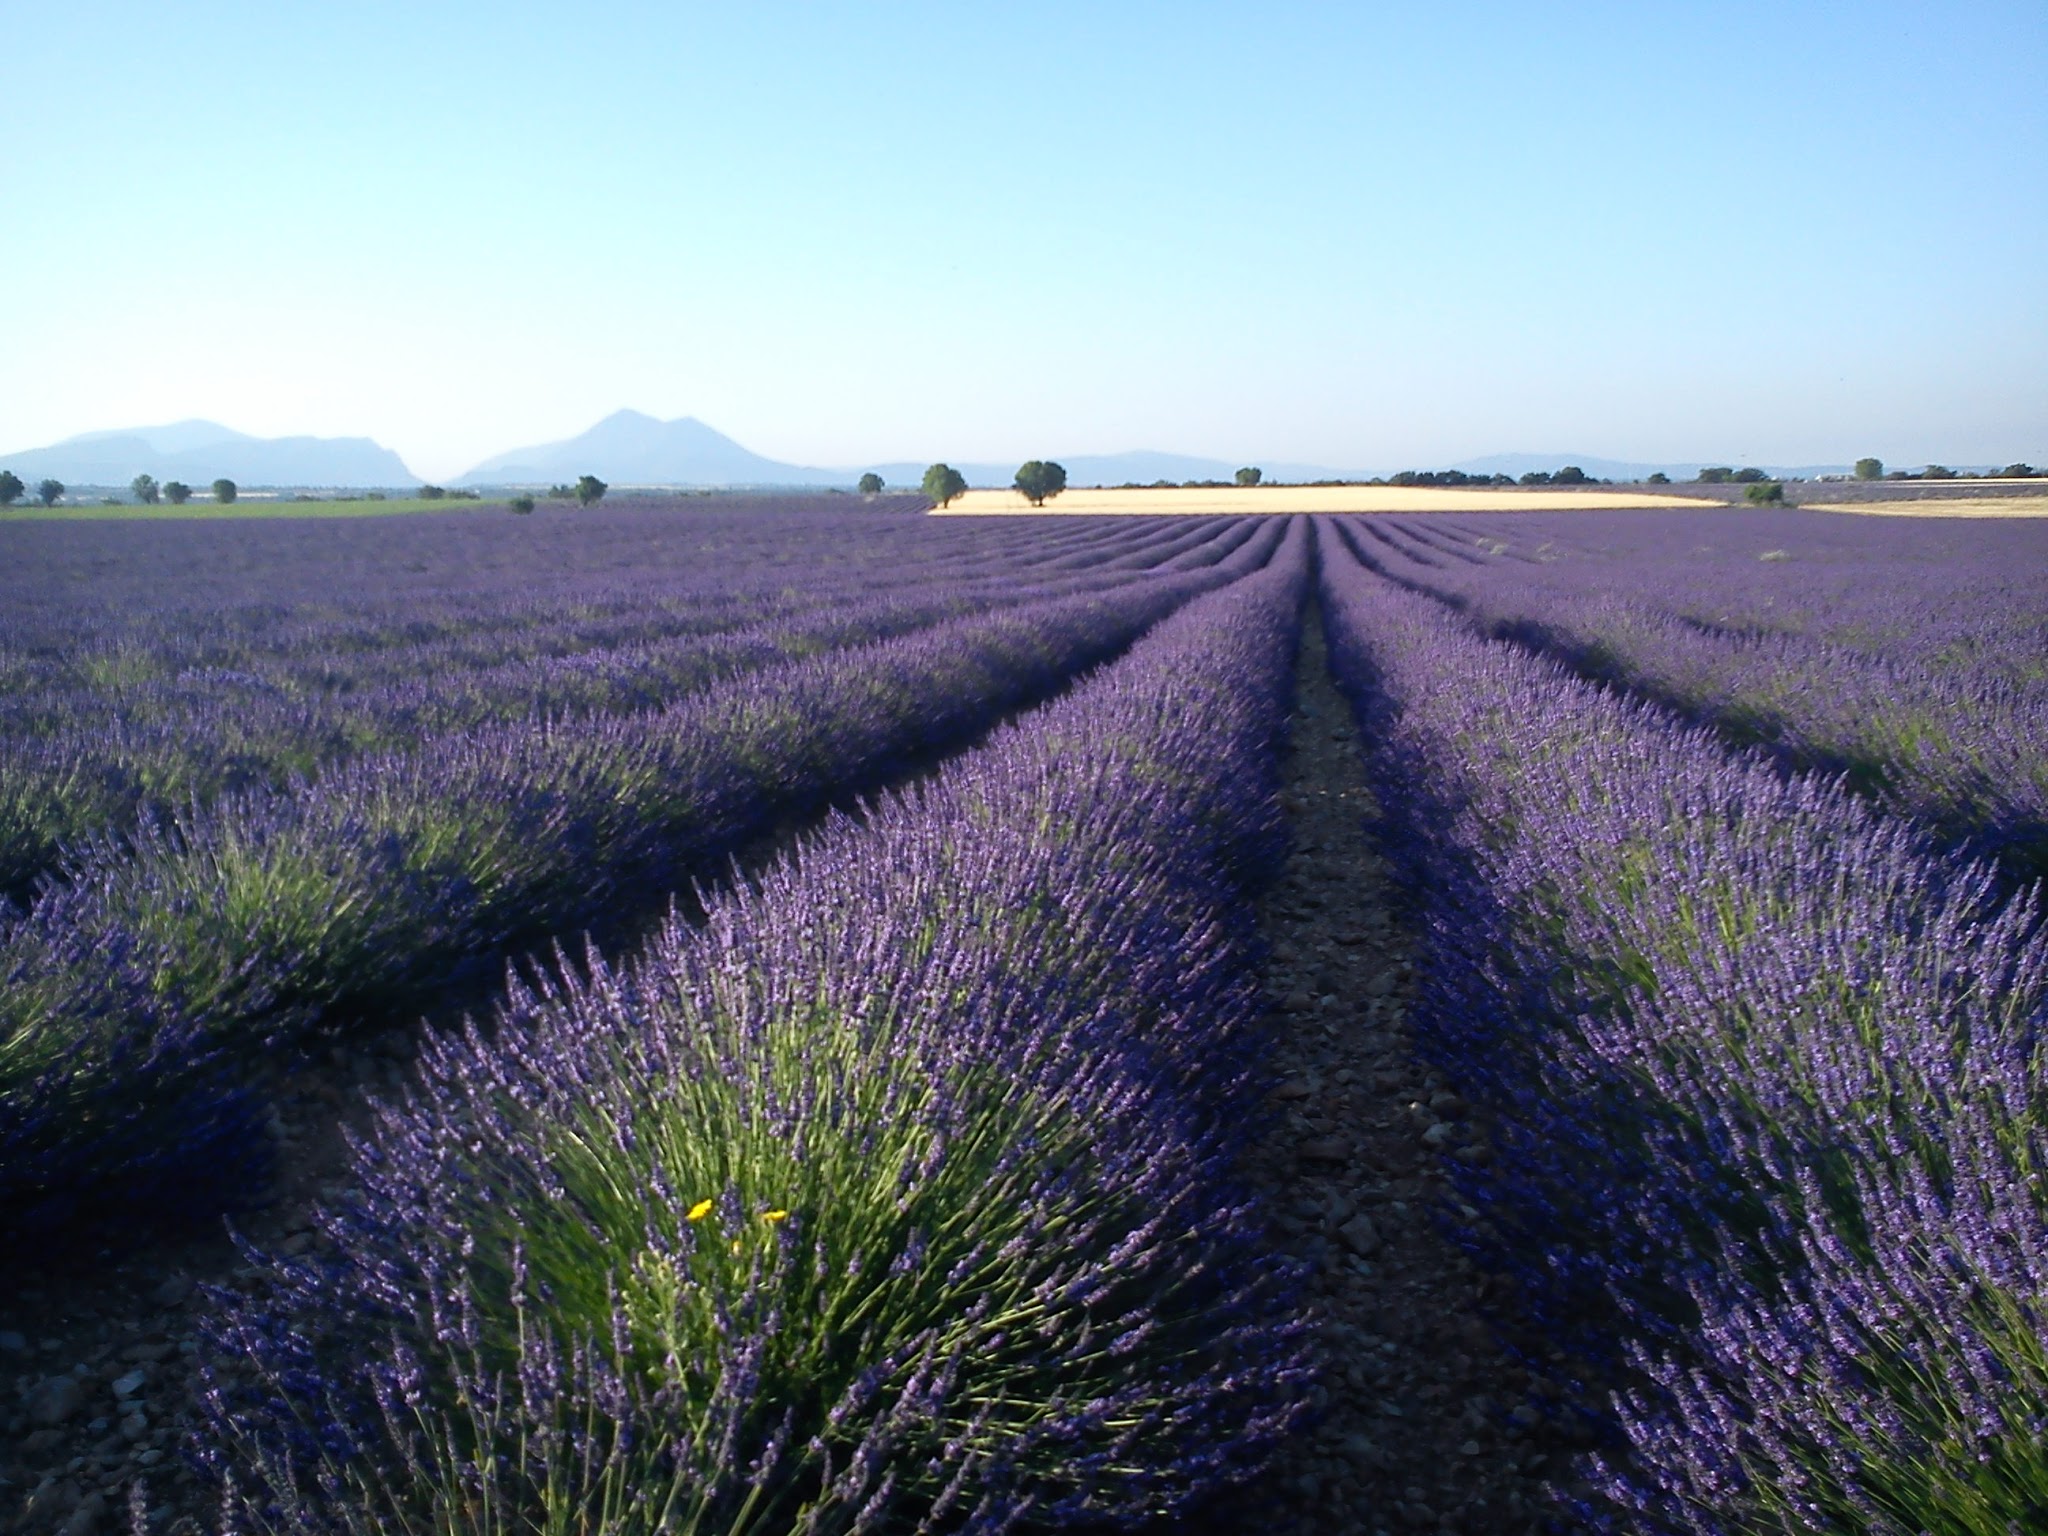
(315, 570)
(100, 720)
(1906, 657)
(141, 990)
(1757, 1079)
(895, 1194)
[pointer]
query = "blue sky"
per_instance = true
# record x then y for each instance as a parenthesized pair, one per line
(1359, 235)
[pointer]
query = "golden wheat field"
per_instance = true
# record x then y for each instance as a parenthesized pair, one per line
(1237, 500)
(1988, 506)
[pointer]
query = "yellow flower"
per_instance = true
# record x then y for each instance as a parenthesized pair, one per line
(771, 1217)
(700, 1210)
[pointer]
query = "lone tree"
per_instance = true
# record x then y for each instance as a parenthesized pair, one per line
(223, 491)
(11, 488)
(1764, 493)
(177, 492)
(1249, 475)
(521, 504)
(944, 484)
(1040, 478)
(1870, 469)
(1658, 477)
(590, 489)
(145, 489)
(871, 484)
(48, 491)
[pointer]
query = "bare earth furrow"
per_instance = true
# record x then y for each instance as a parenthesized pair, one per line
(1427, 1424)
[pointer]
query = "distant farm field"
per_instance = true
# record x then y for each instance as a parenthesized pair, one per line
(1239, 501)
(759, 1014)
(1982, 506)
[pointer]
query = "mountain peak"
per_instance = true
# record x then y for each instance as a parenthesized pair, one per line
(630, 447)
(177, 437)
(199, 451)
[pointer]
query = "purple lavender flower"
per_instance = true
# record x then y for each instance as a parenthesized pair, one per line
(1045, 948)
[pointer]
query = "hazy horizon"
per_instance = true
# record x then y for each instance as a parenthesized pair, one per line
(846, 234)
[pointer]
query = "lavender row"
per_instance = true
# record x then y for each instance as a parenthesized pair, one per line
(114, 663)
(297, 605)
(1949, 731)
(137, 991)
(1757, 1086)
(101, 668)
(1956, 600)
(177, 595)
(209, 736)
(93, 665)
(895, 1196)
(77, 760)
(1959, 596)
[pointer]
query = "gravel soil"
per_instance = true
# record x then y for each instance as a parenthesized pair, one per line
(101, 1355)
(1427, 1422)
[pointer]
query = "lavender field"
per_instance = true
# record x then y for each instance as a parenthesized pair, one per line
(777, 1016)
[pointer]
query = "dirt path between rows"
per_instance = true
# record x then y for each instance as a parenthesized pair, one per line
(1425, 1424)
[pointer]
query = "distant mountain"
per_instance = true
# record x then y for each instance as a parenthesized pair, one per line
(178, 437)
(629, 448)
(200, 452)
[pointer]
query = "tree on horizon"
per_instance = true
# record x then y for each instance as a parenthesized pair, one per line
(1040, 478)
(944, 484)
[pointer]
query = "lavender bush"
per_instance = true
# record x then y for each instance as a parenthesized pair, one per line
(173, 709)
(209, 734)
(895, 1196)
(246, 923)
(1760, 1072)
(1909, 659)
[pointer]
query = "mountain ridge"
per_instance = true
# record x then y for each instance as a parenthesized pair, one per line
(200, 452)
(631, 448)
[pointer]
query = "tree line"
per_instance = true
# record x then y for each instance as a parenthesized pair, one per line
(1038, 479)
(1873, 469)
(1041, 479)
(144, 488)
(149, 492)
